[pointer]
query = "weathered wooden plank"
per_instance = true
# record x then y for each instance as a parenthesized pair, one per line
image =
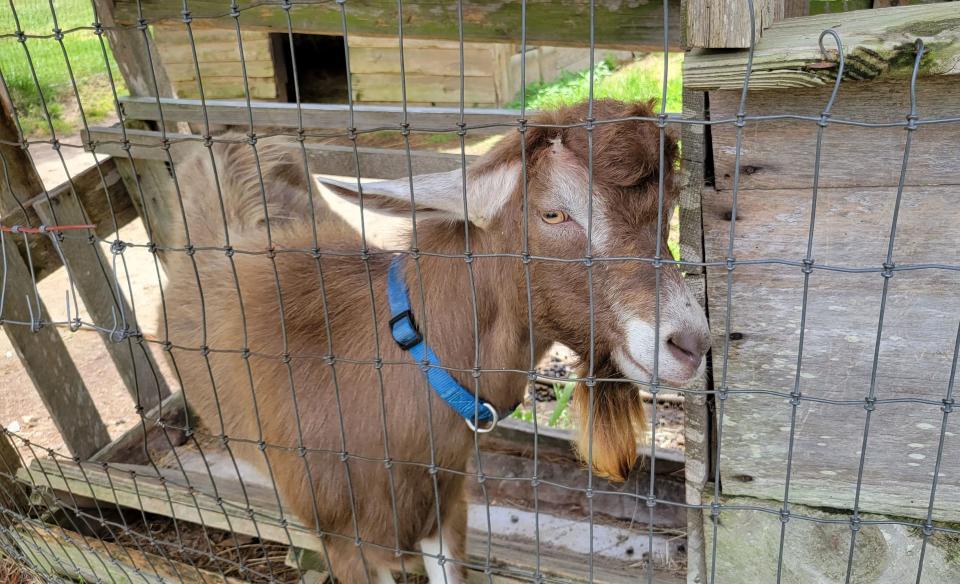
(140, 487)
(725, 24)
(12, 493)
(691, 181)
(318, 116)
(182, 54)
(47, 362)
(230, 88)
(428, 61)
(549, 22)
(322, 158)
(42, 352)
(818, 552)
(71, 551)
(136, 56)
(851, 155)
(915, 355)
(218, 70)
(386, 42)
(161, 427)
(878, 44)
(89, 187)
(386, 87)
(94, 280)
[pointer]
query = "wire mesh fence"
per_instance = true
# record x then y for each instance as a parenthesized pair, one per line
(339, 368)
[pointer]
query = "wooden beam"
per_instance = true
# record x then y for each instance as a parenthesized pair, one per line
(384, 163)
(318, 116)
(47, 362)
(631, 25)
(725, 24)
(41, 351)
(851, 156)
(61, 552)
(878, 44)
(142, 70)
(89, 187)
(12, 493)
(94, 279)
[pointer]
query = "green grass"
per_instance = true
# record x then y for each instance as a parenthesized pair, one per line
(85, 56)
(639, 80)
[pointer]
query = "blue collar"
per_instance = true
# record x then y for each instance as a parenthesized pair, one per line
(404, 330)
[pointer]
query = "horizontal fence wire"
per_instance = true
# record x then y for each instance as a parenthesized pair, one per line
(220, 549)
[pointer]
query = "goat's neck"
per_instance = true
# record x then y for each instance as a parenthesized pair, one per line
(499, 305)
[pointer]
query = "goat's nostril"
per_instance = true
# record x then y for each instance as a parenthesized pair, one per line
(687, 347)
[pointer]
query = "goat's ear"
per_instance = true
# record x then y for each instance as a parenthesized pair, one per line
(438, 195)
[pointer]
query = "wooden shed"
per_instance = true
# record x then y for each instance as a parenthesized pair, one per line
(491, 70)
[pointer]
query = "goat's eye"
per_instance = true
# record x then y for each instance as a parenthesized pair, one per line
(554, 217)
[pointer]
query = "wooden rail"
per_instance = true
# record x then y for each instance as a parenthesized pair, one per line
(384, 163)
(314, 116)
(632, 25)
(878, 44)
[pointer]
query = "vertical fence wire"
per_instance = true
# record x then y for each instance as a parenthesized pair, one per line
(81, 516)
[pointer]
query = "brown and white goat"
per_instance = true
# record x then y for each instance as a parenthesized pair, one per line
(255, 356)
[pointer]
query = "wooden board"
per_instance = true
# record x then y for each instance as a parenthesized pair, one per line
(878, 44)
(385, 163)
(780, 154)
(477, 62)
(437, 89)
(217, 70)
(90, 188)
(725, 24)
(61, 552)
(550, 22)
(94, 279)
(916, 351)
(230, 87)
(47, 362)
(318, 116)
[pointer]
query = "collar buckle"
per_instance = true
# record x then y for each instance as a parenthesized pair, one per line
(404, 330)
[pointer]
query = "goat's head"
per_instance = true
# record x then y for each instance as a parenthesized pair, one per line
(621, 224)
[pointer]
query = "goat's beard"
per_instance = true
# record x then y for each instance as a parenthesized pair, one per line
(607, 436)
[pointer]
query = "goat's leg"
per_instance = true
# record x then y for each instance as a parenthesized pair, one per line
(453, 552)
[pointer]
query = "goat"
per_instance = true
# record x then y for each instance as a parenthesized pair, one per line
(290, 349)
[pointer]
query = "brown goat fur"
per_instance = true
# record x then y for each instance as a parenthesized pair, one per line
(291, 350)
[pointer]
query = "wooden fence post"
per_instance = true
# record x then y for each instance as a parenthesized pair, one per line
(42, 352)
(725, 24)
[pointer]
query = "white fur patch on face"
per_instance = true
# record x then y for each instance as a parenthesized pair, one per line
(635, 356)
(570, 186)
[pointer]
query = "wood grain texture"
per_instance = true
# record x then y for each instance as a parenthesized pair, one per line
(89, 186)
(780, 154)
(385, 163)
(691, 181)
(426, 61)
(549, 22)
(725, 24)
(878, 44)
(317, 116)
(61, 552)
(93, 277)
(915, 354)
(435, 89)
(135, 53)
(47, 362)
(230, 87)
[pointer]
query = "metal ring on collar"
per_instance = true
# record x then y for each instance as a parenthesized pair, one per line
(485, 429)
